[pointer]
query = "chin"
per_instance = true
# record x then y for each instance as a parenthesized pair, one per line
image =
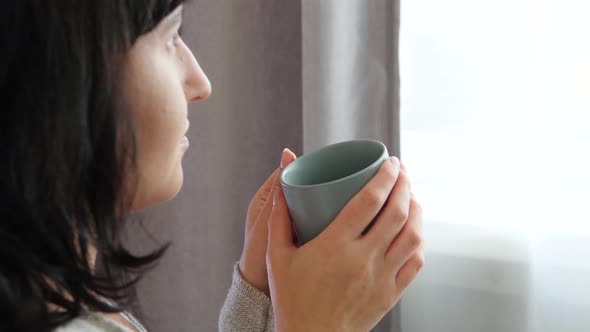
(167, 190)
(174, 186)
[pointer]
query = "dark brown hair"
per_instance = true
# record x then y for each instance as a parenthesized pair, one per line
(67, 157)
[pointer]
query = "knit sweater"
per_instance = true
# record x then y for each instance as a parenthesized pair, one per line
(245, 309)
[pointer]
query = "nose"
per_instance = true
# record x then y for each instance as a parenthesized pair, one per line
(196, 84)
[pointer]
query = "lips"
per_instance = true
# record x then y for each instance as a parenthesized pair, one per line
(184, 141)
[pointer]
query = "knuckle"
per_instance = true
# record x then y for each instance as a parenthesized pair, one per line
(399, 213)
(415, 240)
(371, 199)
(419, 262)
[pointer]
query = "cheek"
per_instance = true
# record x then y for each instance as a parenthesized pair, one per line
(154, 93)
(160, 109)
(161, 126)
(159, 106)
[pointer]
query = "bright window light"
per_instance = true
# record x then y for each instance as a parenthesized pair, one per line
(495, 110)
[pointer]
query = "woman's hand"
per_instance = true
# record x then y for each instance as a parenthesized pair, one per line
(253, 262)
(342, 280)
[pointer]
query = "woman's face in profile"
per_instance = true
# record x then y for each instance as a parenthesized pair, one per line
(161, 76)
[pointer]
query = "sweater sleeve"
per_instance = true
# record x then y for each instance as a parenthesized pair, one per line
(246, 308)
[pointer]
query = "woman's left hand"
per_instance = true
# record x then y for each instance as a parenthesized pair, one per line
(253, 260)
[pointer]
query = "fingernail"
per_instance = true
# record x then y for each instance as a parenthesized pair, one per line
(394, 161)
(284, 156)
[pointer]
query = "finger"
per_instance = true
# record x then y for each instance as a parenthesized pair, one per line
(280, 233)
(408, 240)
(287, 157)
(265, 190)
(364, 206)
(264, 214)
(392, 218)
(264, 193)
(409, 270)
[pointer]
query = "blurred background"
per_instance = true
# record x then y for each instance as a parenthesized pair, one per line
(487, 103)
(495, 131)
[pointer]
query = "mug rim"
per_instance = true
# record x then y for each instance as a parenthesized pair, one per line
(378, 160)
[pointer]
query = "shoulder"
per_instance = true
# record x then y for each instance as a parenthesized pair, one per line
(92, 322)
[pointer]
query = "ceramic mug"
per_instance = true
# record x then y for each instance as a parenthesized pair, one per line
(319, 184)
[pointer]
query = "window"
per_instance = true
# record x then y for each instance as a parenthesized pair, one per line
(495, 110)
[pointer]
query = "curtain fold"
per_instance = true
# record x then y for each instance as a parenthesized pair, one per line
(297, 74)
(350, 72)
(351, 79)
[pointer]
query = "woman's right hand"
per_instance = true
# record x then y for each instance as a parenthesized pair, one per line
(342, 280)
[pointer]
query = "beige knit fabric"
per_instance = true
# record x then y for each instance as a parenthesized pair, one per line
(246, 309)
(93, 322)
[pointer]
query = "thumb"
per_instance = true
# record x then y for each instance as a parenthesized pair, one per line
(280, 236)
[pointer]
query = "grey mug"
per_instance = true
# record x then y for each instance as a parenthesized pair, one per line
(319, 184)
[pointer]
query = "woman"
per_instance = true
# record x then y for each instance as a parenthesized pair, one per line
(94, 108)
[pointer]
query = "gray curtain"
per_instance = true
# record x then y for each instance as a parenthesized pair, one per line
(297, 74)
